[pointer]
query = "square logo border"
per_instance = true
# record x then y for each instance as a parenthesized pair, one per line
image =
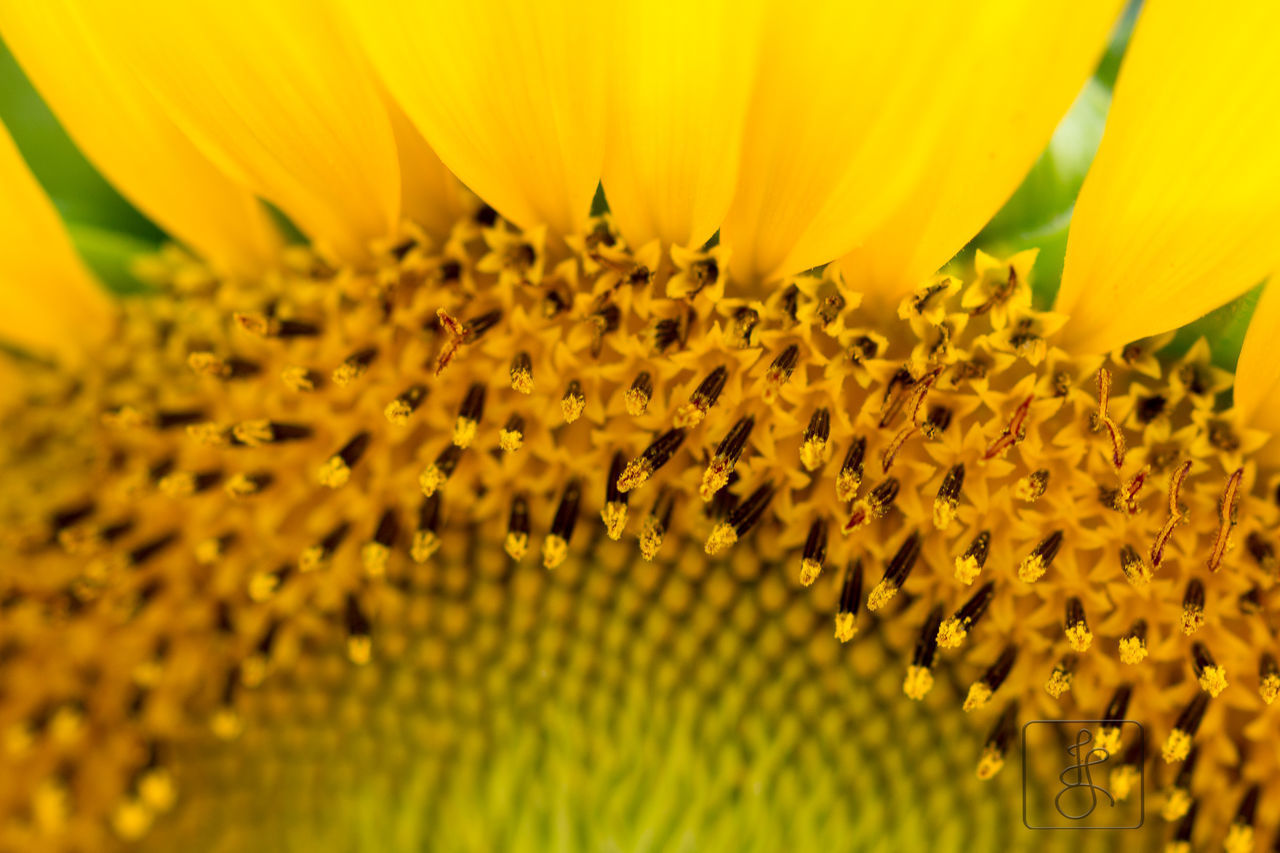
(1142, 777)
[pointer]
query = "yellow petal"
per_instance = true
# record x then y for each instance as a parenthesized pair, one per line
(49, 303)
(680, 80)
(276, 96)
(123, 130)
(1180, 210)
(1021, 84)
(430, 195)
(857, 102)
(510, 94)
(1257, 391)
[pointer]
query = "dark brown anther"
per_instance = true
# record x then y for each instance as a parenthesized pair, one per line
(1035, 564)
(316, 555)
(111, 532)
(936, 422)
(1119, 704)
(895, 572)
(518, 519)
(351, 452)
(388, 528)
(790, 302)
(1149, 408)
(1247, 813)
(1212, 678)
(74, 514)
(666, 332)
(1268, 677)
(603, 321)
(703, 273)
(970, 564)
(485, 216)
(574, 402)
(947, 501)
(173, 418)
(402, 249)
(1262, 551)
(746, 514)
(1192, 715)
(1075, 625)
(656, 523)
(616, 466)
(815, 552)
(850, 477)
(359, 630)
(1015, 432)
(850, 594)
(472, 407)
(476, 327)
(995, 675)
(819, 425)
(895, 396)
(998, 741)
(657, 454)
(703, 398)
(521, 373)
(150, 548)
(555, 303)
(1060, 678)
(637, 397)
(784, 364)
(863, 348)
(354, 366)
(971, 611)
(830, 307)
(877, 502)
(406, 403)
(566, 516)
(721, 466)
(745, 321)
(1193, 606)
(813, 447)
(1187, 770)
(927, 641)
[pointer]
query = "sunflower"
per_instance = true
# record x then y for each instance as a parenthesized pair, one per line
(721, 516)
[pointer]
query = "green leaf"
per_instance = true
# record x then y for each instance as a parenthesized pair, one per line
(111, 256)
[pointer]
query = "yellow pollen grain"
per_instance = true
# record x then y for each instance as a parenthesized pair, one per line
(813, 452)
(1269, 688)
(809, 571)
(253, 671)
(1059, 682)
(516, 545)
(918, 682)
(1031, 569)
(1109, 739)
(614, 516)
(944, 512)
(522, 381)
(1176, 747)
(1192, 619)
(1031, 487)
(179, 485)
(990, 763)
(373, 558)
(241, 486)
(881, 595)
(715, 478)
(1176, 803)
(298, 379)
(651, 536)
(157, 790)
(226, 724)
(554, 551)
(360, 649)
(263, 585)
(312, 558)
(464, 432)
(1213, 680)
(510, 440)
(425, 543)
(132, 820)
(847, 484)
(253, 433)
(209, 434)
(397, 412)
(208, 364)
(430, 480)
(346, 373)
(1122, 781)
(1080, 637)
(1239, 839)
(979, 695)
(846, 626)
(967, 569)
(634, 475)
(637, 402)
(722, 537)
(572, 407)
(689, 415)
(334, 473)
(951, 633)
(1132, 650)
